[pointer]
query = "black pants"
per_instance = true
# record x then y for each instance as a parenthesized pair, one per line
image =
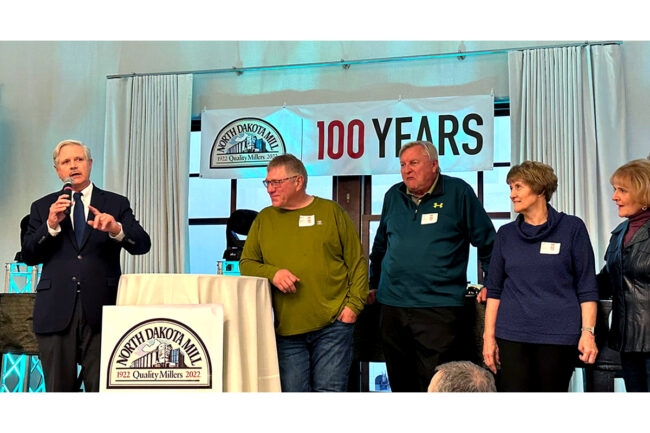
(415, 341)
(527, 367)
(61, 352)
(636, 371)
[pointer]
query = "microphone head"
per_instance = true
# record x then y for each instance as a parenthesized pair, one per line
(67, 190)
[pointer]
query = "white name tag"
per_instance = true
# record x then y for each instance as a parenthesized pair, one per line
(550, 248)
(429, 218)
(306, 221)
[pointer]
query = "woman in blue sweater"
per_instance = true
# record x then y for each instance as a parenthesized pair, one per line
(541, 289)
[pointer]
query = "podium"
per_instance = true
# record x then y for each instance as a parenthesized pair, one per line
(162, 347)
(250, 360)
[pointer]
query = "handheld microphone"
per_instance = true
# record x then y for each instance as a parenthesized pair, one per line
(67, 189)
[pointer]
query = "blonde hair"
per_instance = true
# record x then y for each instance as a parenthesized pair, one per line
(537, 175)
(636, 175)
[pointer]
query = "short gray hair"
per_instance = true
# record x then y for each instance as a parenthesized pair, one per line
(429, 149)
(464, 376)
(57, 150)
(291, 164)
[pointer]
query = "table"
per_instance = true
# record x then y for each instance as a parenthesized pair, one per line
(250, 358)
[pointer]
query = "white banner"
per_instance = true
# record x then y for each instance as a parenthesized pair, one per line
(356, 138)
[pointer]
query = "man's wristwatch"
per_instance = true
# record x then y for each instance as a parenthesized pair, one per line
(588, 329)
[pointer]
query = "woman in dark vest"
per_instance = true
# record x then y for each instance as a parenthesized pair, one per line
(626, 275)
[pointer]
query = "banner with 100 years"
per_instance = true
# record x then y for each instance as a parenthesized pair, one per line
(354, 138)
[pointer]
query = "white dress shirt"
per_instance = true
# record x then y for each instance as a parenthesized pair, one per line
(86, 196)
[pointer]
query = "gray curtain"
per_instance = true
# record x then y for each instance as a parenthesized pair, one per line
(146, 158)
(567, 109)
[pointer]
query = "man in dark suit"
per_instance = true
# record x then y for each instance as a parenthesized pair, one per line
(80, 253)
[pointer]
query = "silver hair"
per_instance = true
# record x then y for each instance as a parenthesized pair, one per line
(57, 150)
(464, 376)
(429, 149)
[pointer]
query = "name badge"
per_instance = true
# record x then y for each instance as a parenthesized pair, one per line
(306, 221)
(429, 218)
(550, 248)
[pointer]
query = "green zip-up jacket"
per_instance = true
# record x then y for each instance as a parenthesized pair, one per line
(320, 246)
(420, 253)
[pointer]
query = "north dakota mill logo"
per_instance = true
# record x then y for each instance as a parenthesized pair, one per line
(246, 142)
(160, 353)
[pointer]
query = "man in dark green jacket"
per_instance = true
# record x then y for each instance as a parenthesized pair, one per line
(418, 269)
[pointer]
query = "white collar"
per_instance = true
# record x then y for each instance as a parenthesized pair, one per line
(87, 191)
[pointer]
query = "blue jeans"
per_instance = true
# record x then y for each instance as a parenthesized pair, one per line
(636, 371)
(316, 361)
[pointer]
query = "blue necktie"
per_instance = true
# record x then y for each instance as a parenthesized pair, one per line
(79, 218)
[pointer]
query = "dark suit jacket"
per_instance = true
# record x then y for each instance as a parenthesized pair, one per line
(95, 264)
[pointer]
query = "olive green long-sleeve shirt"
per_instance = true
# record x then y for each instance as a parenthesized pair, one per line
(320, 246)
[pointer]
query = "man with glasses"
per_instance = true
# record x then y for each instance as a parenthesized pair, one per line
(418, 266)
(78, 240)
(309, 250)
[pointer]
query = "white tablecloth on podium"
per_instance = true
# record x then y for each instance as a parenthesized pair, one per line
(250, 358)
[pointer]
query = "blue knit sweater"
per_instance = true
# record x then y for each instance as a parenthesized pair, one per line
(541, 288)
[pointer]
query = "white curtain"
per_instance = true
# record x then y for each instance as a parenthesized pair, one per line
(567, 109)
(146, 158)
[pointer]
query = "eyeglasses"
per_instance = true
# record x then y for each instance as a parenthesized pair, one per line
(277, 182)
